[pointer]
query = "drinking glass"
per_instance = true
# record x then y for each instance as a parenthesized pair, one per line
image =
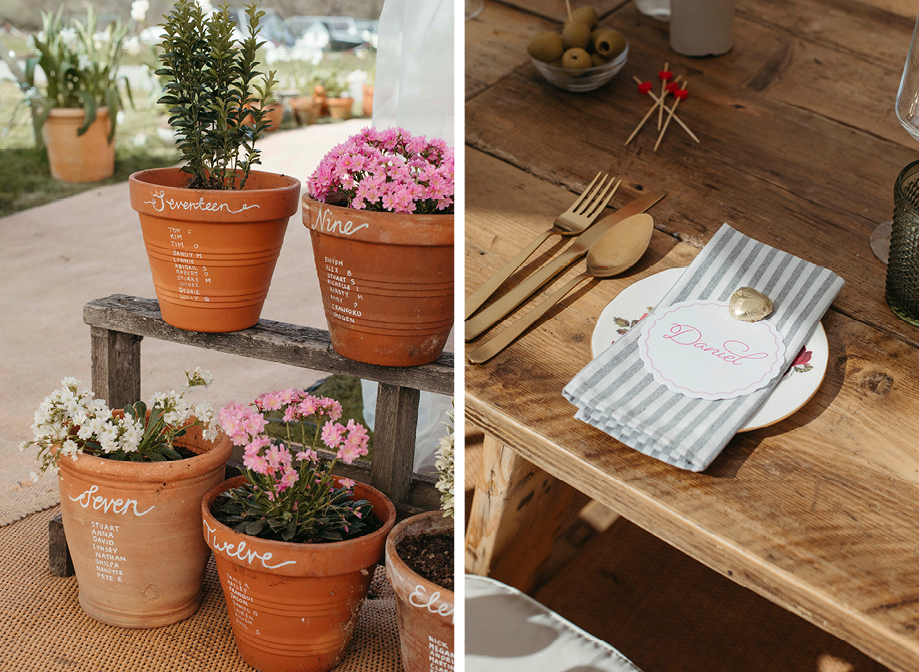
(903, 265)
(903, 258)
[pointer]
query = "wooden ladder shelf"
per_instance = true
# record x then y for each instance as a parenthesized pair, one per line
(119, 323)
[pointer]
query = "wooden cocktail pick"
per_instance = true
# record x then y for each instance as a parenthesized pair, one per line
(568, 5)
(665, 75)
(645, 87)
(679, 94)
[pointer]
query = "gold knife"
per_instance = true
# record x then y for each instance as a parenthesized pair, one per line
(485, 320)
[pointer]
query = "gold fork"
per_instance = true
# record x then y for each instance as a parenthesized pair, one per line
(582, 213)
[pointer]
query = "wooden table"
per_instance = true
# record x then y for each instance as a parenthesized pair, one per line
(800, 149)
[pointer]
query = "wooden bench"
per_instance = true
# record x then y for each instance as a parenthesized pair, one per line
(118, 324)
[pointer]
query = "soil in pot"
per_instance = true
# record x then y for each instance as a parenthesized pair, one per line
(424, 609)
(431, 556)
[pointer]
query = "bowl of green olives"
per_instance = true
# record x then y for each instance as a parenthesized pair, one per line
(584, 57)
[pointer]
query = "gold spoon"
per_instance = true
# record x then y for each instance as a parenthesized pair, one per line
(615, 251)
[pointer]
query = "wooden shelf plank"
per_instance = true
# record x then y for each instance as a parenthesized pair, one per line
(305, 347)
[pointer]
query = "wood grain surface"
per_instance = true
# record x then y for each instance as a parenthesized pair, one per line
(800, 150)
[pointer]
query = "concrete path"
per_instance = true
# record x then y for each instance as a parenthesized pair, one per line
(56, 257)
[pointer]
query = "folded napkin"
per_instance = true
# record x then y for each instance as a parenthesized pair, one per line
(616, 394)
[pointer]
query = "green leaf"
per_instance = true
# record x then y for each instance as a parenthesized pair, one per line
(255, 527)
(89, 109)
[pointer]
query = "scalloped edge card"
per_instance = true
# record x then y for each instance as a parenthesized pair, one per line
(697, 349)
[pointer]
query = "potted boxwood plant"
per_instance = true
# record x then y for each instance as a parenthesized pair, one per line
(131, 484)
(380, 213)
(419, 565)
(295, 546)
(77, 112)
(214, 227)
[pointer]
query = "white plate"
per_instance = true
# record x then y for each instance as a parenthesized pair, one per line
(795, 388)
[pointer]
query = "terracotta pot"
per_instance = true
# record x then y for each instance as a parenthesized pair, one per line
(79, 158)
(424, 610)
(386, 281)
(274, 116)
(340, 108)
(212, 253)
(319, 97)
(306, 110)
(134, 532)
(293, 607)
(367, 103)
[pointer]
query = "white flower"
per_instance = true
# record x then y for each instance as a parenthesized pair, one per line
(33, 476)
(139, 10)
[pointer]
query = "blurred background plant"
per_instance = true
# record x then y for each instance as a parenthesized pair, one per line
(304, 38)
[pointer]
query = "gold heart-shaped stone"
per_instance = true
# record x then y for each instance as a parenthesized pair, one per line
(749, 305)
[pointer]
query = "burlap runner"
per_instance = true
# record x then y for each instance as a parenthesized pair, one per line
(44, 629)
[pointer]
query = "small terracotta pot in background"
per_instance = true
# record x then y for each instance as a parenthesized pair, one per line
(386, 281)
(305, 109)
(340, 108)
(424, 610)
(212, 253)
(79, 158)
(134, 532)
(367, 103)
(319, 97)
(293, 607)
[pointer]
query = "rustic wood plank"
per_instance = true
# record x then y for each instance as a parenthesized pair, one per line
(59, 561)
(815, 513)
(783, 175)
(557, 10)
(498, 38)
(394, 440)
(517, 511)
(115, 366)
(271, 341)
(637, 591)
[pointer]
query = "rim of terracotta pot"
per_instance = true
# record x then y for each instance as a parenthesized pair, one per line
(219, 452)
(321, 559)
(73, 113)
(429, 521)
(389, 228)
(277, 196)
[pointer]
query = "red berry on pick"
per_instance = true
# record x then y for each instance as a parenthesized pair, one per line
(665, 74)
(644, 87)
(672, 86)
(681, 93)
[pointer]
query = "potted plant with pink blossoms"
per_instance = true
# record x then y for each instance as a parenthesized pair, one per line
(380, 214)
(295, 545)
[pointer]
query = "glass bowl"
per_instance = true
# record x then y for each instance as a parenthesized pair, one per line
(587, 79)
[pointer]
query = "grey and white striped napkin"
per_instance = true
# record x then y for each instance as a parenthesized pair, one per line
(616, 394)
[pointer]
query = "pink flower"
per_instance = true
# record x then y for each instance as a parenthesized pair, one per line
(332, 434)
(268, 401)
(332, 408)
(346, 483)
(349, 452)
(388, 170)
(308, 405)
(309, 455)
(257, 463)
(288, 479)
